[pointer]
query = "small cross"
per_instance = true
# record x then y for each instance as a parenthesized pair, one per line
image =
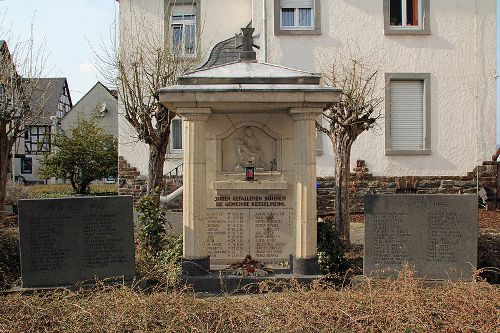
(247, 53)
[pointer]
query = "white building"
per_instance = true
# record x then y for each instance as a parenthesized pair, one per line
(98, 102)
(438, 60)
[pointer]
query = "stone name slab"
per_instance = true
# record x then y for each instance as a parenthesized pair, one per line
(64, 241)
(434, 234)
(264, 234)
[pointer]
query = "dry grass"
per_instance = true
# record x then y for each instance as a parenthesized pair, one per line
(386, 306)
(489, 220)
(403, 305)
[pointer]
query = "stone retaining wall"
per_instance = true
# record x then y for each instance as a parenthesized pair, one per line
(362, 182)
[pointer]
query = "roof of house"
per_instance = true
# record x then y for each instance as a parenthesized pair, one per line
(113, 94)
(45, 98)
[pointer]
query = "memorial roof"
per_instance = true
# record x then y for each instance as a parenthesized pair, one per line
(249, 73)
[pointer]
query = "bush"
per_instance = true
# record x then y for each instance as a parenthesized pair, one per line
(331, 250)
(10, 266)
(152, 223)
(83, 156)
(158, 255)
(488, 261)
(16, 192)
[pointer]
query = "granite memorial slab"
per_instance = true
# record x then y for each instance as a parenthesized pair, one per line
(70, 240)
(436, 235)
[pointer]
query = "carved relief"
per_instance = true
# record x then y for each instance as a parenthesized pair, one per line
(248, 148)
(249, 143)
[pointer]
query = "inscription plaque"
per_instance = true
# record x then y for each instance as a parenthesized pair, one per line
(64, 241)
(234, 233)
(435, 234)
(271, 234)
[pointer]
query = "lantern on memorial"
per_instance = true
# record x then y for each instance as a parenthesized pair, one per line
(250, 171)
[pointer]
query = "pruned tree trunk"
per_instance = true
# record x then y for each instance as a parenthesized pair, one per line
(342, 145)
(5, 160)
(155, 169)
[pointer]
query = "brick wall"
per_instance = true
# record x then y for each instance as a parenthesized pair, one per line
(362, 182)
(130, 180)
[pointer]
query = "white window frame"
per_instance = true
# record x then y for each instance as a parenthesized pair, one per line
(425, 78)
(423, 19)
(183, 23)
(314, 29)
(296, 20)
(404, 17)
(172, 149)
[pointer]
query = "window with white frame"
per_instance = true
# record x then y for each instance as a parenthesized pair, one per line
(407, 114)
(406, 16)
(297, 14)
(297, 17)
(176, 135)
(183, 27)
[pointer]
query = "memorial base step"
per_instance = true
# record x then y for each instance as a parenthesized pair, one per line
(218, 282)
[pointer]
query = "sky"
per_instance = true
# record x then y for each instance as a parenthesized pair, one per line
(70, 29)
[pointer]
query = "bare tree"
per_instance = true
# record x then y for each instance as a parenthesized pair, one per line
(20, 70)
(356, 113)
(145, 62)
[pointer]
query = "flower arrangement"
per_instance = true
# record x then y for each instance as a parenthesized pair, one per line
(250, 267)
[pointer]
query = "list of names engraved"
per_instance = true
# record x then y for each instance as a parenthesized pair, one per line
(75, 239)
(435, 234)
(271, 234)
(390, 244)
(234, 233)
(102, 242)
(43, 235)
(227, 233)
(443, 236)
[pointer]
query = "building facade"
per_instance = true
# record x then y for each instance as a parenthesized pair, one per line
(436, 59)
(99, 102)
(50, 101)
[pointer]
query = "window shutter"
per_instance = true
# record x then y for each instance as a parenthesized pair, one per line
(297, 3)
(407, 115)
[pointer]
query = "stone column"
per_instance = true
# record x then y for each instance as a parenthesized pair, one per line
(195, 259)
(305, 260)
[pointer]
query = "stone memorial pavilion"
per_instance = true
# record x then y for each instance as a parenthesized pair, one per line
(241, 114)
